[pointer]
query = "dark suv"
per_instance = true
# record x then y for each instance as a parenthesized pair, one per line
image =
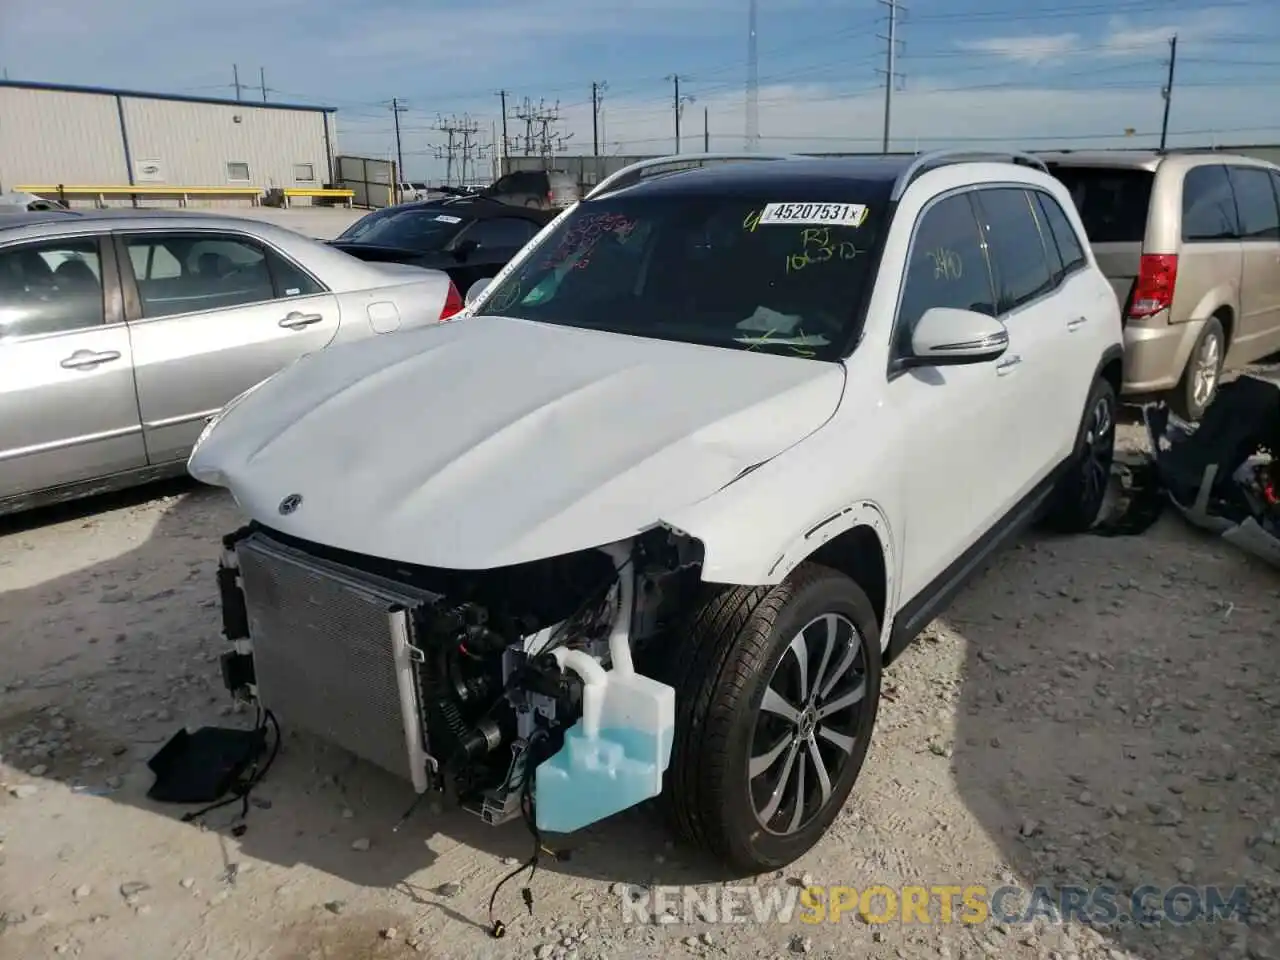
(542, 189)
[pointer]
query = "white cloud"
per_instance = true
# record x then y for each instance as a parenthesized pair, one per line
(1031, 50)
(1203, 27)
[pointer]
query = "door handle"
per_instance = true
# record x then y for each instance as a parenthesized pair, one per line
(296, 321)
(88, 359)
(1006, 365)
(1077, 323)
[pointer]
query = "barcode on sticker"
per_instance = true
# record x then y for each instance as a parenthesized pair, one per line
(815, 214)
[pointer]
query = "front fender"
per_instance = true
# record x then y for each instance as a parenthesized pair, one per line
(757, 529)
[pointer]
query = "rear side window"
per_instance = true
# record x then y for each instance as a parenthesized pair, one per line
(1018, 258)
(1208, 205)
(1112, 203)
(1256, 203)
(1062, 232)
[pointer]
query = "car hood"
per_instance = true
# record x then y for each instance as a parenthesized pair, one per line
(491, 441)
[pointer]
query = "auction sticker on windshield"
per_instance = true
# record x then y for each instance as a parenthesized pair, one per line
(815, 214)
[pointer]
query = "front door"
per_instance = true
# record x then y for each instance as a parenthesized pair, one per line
(952, 417)
(211, 314)
(68, 410)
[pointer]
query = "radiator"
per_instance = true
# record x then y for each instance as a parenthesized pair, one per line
(333, 654)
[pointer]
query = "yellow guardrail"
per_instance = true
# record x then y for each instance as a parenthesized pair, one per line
(100, 193)
(318, 193)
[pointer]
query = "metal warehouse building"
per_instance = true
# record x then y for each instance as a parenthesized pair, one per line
(69, 135)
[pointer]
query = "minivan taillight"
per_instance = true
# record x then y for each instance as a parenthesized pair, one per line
(452, 302)
(1153, 290)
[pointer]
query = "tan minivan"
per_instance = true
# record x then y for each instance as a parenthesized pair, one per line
(1191, 244)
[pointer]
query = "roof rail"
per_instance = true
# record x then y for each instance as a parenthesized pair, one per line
(940, 158)
(633, 173)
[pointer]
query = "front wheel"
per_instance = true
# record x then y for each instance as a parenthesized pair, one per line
(776, 696)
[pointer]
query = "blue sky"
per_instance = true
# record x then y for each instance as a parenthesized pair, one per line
(973, 71)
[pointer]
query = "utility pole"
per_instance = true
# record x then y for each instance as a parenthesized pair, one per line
(461, 144)
(890, 69)
(262, 79)
(396, 110)
(597, 97)
(235, 79)
(675, 79)
(678, 104)
(706, 130)
(502, 96)
(1167, 92)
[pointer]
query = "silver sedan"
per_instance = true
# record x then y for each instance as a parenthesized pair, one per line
(122, 333)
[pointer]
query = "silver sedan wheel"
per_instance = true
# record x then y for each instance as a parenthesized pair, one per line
(807, 724)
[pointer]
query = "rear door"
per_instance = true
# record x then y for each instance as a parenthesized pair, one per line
(1041, 372)
(1255, 333)
(68, 410)
(1113, 203)
(210, 315)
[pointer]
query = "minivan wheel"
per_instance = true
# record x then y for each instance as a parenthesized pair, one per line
(776, 696)
(1078, 499)
(1199, 384)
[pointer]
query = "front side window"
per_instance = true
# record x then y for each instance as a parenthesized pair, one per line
(781, 274)
(191, 273)
(413, 228)
(50, 287)
(1256, 202)
(1208, 205)
(946, 267)
(1015, 247)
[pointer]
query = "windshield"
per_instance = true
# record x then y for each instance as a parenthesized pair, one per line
(415, 228)
(739, 272)
(1112, 201)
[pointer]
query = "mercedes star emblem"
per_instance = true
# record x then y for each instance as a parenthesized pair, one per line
(290, 504)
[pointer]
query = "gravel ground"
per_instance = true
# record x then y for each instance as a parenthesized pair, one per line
(1091, 711)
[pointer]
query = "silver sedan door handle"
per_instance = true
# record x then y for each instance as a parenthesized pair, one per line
(1007, 364)
(1077, 323)
(88, 359)
(296, 321)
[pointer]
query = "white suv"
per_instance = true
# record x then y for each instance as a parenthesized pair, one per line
(651, 517)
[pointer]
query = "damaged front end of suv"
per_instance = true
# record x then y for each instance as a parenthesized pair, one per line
(503, 684)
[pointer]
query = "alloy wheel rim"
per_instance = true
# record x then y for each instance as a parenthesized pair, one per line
(1206, 372)
(1098, 451)
(808, 725)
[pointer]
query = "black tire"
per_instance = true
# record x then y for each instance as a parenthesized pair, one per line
(731, 652)
(1080, 493)
(1191, 397)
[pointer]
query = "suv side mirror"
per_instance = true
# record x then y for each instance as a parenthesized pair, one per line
(946, 336)
(477, 288)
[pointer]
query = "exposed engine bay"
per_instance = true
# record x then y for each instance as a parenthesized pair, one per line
(462, 679)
